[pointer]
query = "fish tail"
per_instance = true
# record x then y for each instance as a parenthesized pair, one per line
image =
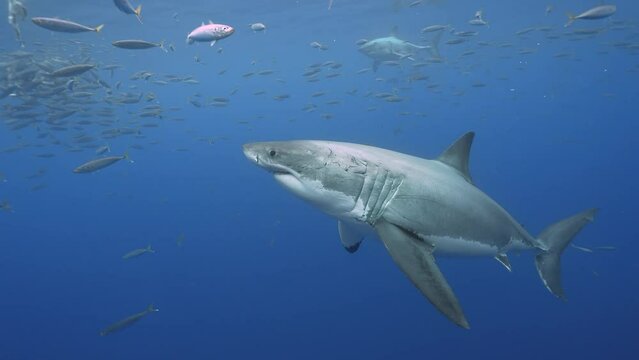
(571, 19)
(150, 249)
(99, 28)
(138, 13)
(162, 43)
(552, 242)
(127, 157)
(151, 308)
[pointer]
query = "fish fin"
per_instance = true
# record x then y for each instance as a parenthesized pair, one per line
(457, 155)
(213, 42)
(351, 238)
(552, 241)
(375, 65)
(503, 259)
(582, 248)
(138, 12)
(415, 258)
(210, 22)
(571, 19)
(99, 28)
(127, 157)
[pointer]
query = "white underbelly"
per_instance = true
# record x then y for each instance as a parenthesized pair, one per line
(455, 246)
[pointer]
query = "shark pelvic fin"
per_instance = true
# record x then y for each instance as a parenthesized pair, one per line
(414, 257)
(457, 155)
(351, 238)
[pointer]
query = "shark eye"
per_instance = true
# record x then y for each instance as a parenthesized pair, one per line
(272, 153)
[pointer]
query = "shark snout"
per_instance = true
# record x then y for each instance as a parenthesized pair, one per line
(251, 153)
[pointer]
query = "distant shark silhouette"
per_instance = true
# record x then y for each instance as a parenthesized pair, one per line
(391, 48)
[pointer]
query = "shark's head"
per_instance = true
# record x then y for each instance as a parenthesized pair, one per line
(316, 171)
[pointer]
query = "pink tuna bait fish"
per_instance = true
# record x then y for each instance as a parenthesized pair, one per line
(210, 33)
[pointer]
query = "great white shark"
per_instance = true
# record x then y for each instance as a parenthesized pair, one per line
(391, 48)
(419, 208)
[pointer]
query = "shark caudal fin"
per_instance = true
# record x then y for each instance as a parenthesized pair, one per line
(554, 239)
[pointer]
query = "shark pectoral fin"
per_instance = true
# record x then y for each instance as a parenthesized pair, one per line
(213, 42)
(503, 259)
(416, 260)
(457, 155)
(375, 65)
(351, 238)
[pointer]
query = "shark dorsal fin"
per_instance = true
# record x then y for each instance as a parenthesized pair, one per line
(456, 156)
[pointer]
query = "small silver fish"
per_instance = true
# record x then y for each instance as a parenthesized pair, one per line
(598, 12)
(128, 321)
(67, 26)
(126, 7)
(257, 27)
(138, 44)
(72, 70)
(98, 164)
(138, 252)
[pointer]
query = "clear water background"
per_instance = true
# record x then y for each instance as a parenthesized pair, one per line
(263, 275)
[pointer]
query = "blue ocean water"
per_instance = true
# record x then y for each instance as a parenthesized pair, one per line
(242, 268)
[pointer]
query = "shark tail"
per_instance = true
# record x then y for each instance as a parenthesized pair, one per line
(553, 240)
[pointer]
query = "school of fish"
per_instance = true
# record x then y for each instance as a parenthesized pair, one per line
(63, 93)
